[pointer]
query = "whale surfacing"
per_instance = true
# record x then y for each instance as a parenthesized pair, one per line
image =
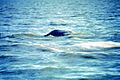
(57, 33)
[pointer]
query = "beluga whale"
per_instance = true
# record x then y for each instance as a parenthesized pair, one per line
(58, 33)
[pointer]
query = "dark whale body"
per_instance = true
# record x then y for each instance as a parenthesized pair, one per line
(57, 33)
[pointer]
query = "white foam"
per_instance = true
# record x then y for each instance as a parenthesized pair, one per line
(101, 44)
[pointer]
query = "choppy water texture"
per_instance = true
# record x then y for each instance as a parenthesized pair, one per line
(91, 52)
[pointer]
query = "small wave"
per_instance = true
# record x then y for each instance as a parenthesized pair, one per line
(88, 57)
(2, 35)
(9, 72)
(49, 47)
(7, 47)
(57, 24)
(4, 46)
(4, 59)
(77, 55)
(18, 35)
(8, 17)
(6, 24)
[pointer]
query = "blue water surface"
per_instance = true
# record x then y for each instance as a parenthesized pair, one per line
(25, 54)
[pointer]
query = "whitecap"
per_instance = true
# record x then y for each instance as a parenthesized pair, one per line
(97, 45)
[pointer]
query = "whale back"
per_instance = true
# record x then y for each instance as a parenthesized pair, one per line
(57, 33)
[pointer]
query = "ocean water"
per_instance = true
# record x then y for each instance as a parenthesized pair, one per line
(91, 52)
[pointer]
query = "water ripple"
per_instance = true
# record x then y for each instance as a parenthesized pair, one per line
(90, 52)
